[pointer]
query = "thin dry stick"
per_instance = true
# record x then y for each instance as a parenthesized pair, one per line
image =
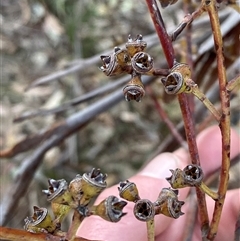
(165, 118)
(22, 235)
(186, 113)
(233, 83)
(224, 125)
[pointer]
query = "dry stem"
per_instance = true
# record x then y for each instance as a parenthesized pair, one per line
(224, 125)
(184, 105)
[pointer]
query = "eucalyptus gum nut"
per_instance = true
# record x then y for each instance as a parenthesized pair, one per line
(128, 191)
(142, 62)
(110, 209)
(168, 203)
(116, 63)
(175, 82)
(177, 179)
(75, 187)
(134, 90)
(144, 210)
(136, 45)
(92, 184)
(58, 192)
(41, 221)
(193, 175)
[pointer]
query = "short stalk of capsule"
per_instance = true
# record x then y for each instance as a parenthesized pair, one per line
(208, 191)
(151, 230)
(193, 88)
(60, 211)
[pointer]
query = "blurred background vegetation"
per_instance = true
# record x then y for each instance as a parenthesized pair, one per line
(40, 37)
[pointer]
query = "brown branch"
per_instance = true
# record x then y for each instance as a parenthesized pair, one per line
(224, 125)
(165, 118)
(11, 234)
(76, 101)
(184, 105)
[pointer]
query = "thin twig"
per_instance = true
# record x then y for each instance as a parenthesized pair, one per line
(233, 83)
(76, 101)
(165, 118)
(224, 125)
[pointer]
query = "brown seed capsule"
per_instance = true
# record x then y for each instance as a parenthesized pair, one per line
(75, 187)
(142, 63)
(144, 210)
(41, 221)
(110, 209)
(128, 191)
(175, 82)
(193, 175)
(116, 63)
(177, 179)
(134, 90)
(168, 203)
(136, 45)
(58, 192)
(92, 184)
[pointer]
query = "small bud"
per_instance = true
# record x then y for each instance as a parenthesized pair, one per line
(134, 90)
(135, 46)
(41, 221)
(144, 210)
(168, 203)
(110, 209)
(175, 82)
(128, 191)
(142, 63)
(92, 184)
